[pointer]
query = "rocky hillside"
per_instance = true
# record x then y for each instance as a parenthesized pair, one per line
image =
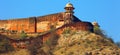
(85, 43)
(72, 43)
(18, 52)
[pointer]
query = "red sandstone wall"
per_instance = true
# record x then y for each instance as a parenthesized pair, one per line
(2, 23)
(39, 24)
(44, 22)
(18, 24)
(32, 24)
(27, 24)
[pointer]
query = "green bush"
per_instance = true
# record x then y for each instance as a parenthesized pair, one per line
(23, 35)
(67, 31)
(97, 30)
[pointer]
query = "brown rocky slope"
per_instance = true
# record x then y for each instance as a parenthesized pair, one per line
(85, 43)
(73, 43)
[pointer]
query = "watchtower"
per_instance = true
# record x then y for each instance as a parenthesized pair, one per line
(69, 13)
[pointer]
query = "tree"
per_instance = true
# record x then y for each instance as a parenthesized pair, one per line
(23, 35)
(98, 31)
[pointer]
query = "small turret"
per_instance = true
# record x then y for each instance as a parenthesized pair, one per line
(69, 8)
(69, 13)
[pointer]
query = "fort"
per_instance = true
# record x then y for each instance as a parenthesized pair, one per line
(44, 23)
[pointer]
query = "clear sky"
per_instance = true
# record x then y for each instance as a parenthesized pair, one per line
(105, 12)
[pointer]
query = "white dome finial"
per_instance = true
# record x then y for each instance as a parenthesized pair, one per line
(69, 4)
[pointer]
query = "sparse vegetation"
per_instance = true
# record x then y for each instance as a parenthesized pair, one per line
(23, 35)
(80, 42)
(5, 45)
(72, 42)
(98, 31)
(85, 43)
(51, 42)
(67, 31)
(101, 32)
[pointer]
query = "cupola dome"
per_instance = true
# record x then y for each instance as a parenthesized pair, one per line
(69, 5)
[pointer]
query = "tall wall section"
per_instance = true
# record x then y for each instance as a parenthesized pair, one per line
(34, 24)
(24, 24)
(44, 22)
(18, 24)
(37, 24)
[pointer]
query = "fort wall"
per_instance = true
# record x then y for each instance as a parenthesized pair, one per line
(39, 40)
(40, 24)
(27, 24)
(44, 22)
(2, 22)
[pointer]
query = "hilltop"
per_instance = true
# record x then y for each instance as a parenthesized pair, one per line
(74, 43)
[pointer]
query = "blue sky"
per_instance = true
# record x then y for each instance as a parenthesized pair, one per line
(105, 12)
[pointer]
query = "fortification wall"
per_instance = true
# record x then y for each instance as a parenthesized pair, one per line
(44, 22)
(2, 23)
(35, 24)
(52, 17)
(18, 24)
(25, 24)
(38, 41)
